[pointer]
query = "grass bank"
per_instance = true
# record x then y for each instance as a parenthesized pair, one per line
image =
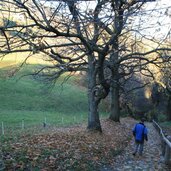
(34, 101)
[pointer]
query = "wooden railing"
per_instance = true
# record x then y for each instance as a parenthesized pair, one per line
(165, 143)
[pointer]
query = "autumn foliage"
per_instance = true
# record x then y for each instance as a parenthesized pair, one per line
(72, 148)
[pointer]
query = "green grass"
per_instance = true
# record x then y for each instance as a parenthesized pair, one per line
(167, 124)
(29, 100)
(28, 95)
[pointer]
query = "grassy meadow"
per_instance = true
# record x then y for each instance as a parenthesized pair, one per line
(29, 100)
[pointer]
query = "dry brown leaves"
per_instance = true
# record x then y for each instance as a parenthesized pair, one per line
(68, 148)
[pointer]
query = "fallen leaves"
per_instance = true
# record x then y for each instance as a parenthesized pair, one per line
(71, 148)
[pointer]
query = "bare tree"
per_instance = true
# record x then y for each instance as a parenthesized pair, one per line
(164, 80)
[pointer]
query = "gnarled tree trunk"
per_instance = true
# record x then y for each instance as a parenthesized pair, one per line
(114, 100)
(114, 86)
(93, 114)
(169, 108)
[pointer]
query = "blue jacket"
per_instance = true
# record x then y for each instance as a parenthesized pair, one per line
(140, 132)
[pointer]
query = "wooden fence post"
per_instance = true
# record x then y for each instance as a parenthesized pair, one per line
(167, 154)
(45, 123)
(62, 120)
(3, 132)
(163, 146)
(22, 124)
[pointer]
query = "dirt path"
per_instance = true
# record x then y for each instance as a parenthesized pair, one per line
(150, 161)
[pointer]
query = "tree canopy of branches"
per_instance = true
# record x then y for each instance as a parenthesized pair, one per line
(90, 36)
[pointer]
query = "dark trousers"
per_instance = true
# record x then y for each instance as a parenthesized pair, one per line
(139, 146)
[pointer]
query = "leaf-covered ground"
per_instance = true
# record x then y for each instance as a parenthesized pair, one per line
(70, 149)
(151, 160)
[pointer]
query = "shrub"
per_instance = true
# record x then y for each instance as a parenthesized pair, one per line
(162, 118)
(152, 114)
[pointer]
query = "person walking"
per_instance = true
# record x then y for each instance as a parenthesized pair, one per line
(140, 134)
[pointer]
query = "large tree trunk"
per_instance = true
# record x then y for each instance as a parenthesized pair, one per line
(93, 114)
(118, 25)
(169, 108)
(93, 118)
(114, 100)
(114, 87)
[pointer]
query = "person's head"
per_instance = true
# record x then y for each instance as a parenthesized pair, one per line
(142, 120)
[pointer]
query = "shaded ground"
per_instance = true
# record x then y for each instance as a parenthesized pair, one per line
(66, 149)
(150, 161)
(75, 149)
